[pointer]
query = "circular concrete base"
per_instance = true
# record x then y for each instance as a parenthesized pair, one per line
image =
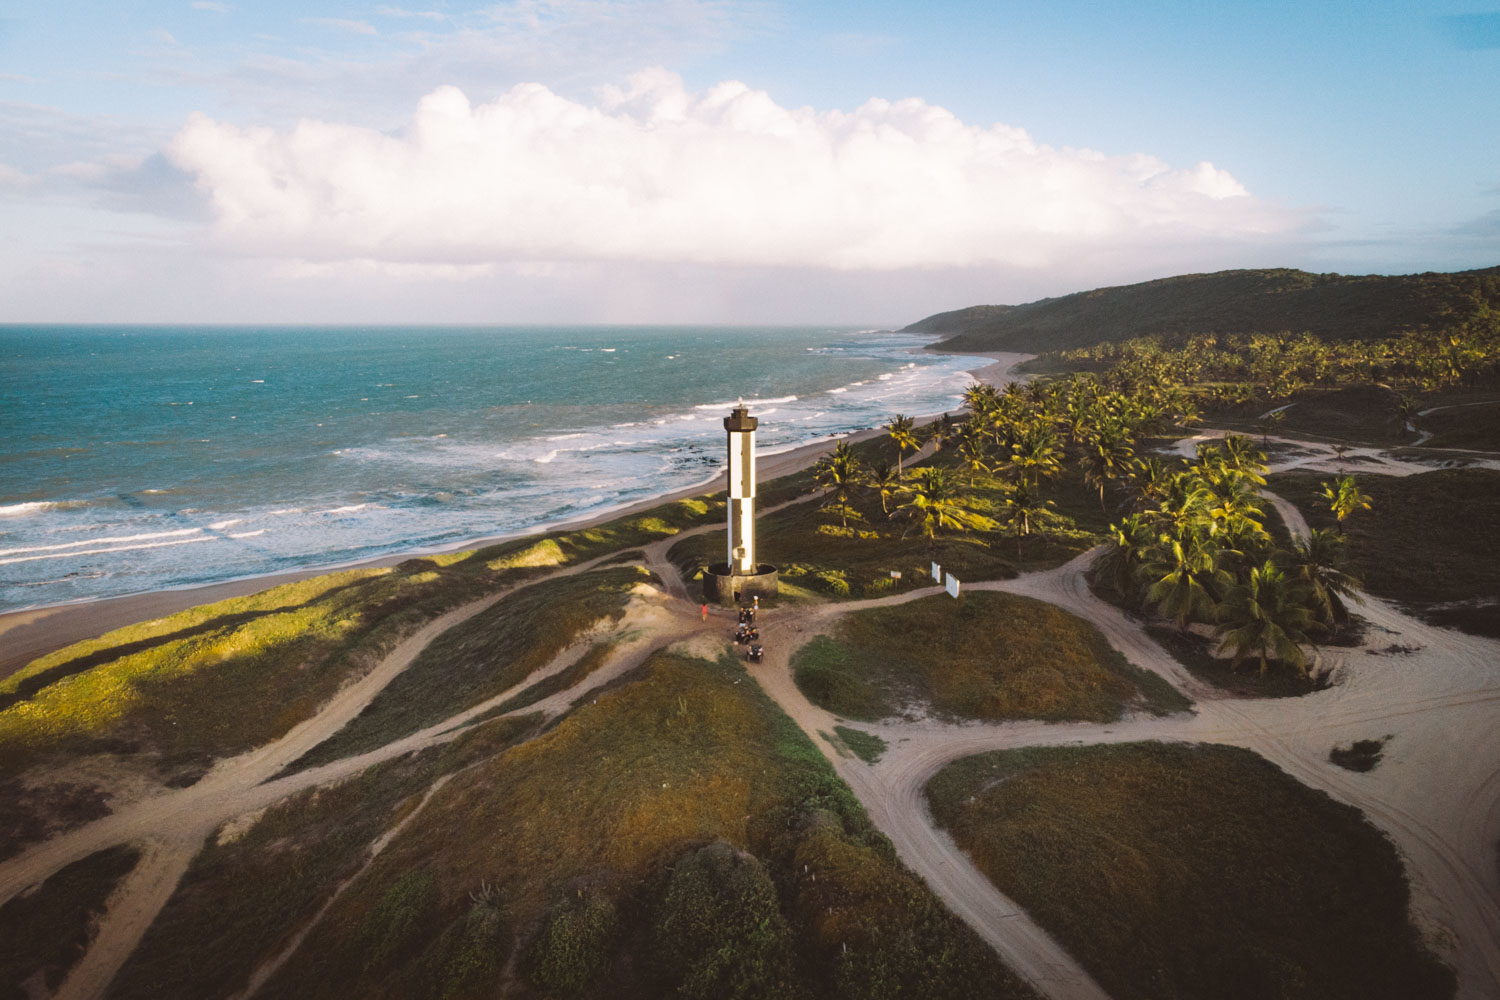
(723, 586)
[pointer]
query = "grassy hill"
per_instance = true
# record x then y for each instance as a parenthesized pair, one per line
(1332, 306)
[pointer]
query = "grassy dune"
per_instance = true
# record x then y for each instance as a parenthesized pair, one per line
(246, 896)
(1191, 871)
(989, 656)
(677, 836)
(484, 656)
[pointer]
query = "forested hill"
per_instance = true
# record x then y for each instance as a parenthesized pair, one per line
(1331, 306)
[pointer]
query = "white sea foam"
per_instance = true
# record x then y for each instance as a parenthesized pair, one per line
(249, 534)
(113, 540)
(79, 553)
(350, 509)
(22, 509)
(221, 525)
(748, 402)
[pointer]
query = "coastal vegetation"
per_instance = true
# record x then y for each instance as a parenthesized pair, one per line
(1191, 870)
(990, 656)
(678, 835)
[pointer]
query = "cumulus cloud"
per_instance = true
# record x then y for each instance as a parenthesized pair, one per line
(651, 172)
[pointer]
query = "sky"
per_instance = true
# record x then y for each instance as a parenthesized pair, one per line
(722, 161)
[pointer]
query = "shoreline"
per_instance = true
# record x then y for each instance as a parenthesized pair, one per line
(34, 632)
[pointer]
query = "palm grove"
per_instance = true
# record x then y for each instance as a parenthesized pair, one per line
(1188, 539)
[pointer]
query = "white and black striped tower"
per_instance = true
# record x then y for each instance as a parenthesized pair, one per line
(739, 579)
(740, 426)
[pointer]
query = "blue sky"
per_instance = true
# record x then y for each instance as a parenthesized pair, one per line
(722, 161)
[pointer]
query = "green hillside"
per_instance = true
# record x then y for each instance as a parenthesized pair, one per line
(1331, 306)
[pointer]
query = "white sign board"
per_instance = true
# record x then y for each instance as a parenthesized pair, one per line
(937, 573)
(952, 585)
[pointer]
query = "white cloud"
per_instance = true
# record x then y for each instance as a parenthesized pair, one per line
(654, 173)
(342, 24)
(429, 15)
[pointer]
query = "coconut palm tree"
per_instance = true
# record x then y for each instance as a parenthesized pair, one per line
(935, 502)
(1266, 616)
(1132, 539)
(1406, 411)
(1152, 477)
(1344, 498)
(903, 431)
(1179, 572)
(885, 481)
(838, 474)
(1107, 454)
(1035, 454)
(980, 397)
(973, 455)
(1319, 568)
(1022, 509)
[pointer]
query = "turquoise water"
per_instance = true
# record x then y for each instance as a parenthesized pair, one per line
(136, 458)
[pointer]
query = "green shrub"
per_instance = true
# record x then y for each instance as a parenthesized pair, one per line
(575, 945)
(718, 933)
(833, 581)
(400, 920)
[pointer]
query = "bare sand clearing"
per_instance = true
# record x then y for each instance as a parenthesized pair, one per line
(1436, 792)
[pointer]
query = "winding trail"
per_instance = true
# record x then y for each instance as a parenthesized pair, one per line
(1436, 792)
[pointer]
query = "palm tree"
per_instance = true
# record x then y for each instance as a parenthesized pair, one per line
(1107, 455)
(885, 481)
(1022, 508)
(1241, 456)
(1179, 573)
(903, 432)
(838, 473)
(1344, 498)
(1153, 479)
(973, 455)
(980, 397)
(1266, 422)
(1406, 411)
(1320, 571)
(1266, 615)
(934, 502)
(1132, 539)
(1036, 455)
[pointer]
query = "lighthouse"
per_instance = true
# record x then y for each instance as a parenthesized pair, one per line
(740, 427)
(740, 578)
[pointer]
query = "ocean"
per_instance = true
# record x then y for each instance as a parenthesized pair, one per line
(141, 458)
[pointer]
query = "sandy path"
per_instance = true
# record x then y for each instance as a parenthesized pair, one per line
(898, 812)
(130, 909)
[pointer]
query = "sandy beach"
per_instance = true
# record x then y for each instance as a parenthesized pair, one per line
(26, 635)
